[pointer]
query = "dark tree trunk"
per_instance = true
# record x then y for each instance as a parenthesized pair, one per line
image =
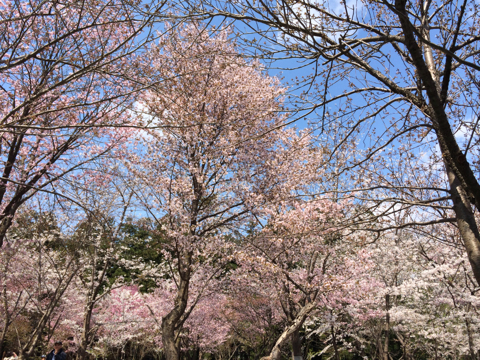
(387, 327)
(2, 338)
(297, 346)
(334, 341)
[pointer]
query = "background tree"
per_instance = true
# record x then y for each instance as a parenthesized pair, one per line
(254, 318)
(301, 259)
(37, 272)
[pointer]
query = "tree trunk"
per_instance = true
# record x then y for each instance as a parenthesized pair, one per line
(172, 322)
(275, 354)
(84, 341)
(403, 344)
(2, 338)
(467, 225)
(470, 340)
(334, 340)
(297, 346)
(170, 347)
(387, 327)
(470, 336)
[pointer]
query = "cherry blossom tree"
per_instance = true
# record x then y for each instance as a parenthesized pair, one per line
(98, 253)
(64, 240)
(434, 307)
(423, 304)
(221, 155)
(97, 218)
(302, 259)
(67, 75)
(13, 302)
(123, 316)
(37, 272)
(205, 329)
(253, 316)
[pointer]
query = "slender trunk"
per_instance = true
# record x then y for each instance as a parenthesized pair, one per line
(470, 336)
(6, 218)
(334, 340)
(6, 317)
(387, 327)
(467, 225)
(404, 343)
(85, 339)
(297, 346)
(196, 354)
(470, 340)
(297, 323)
(2, 338)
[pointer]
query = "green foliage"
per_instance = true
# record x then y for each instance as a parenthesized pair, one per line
(138, 243)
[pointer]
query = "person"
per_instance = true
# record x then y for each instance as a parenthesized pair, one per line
(57, 353)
